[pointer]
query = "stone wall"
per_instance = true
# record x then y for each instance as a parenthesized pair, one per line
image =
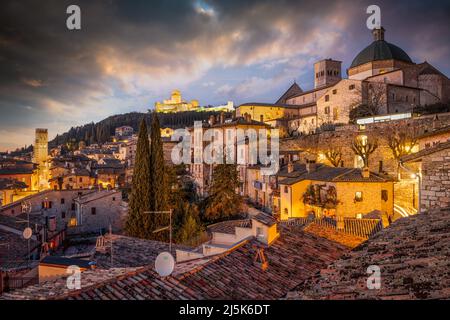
(101, 213)
(313, 145)
(435, 191)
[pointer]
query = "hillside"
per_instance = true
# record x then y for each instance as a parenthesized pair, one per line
(102, 131)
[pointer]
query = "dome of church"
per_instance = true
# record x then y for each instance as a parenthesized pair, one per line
(380, 49)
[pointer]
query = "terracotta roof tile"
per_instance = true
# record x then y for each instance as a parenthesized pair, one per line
(413, 256)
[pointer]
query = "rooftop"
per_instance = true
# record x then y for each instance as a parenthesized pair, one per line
(331, 174)
(223, 276)
(219, 277)
(425, 152)
(131, 252)
(380, 50)
(11, 184)
(412, 254)
(293, 90)
(14, 250)
(108, 284)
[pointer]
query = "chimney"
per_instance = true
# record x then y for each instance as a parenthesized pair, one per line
(290, 167)
(222, 117)
(378, 34)
(212, 120)
(365, 173)
(310, 166)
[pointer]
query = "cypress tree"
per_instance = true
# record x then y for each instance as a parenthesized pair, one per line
(159, 184)
(223, 202)
(138, 224)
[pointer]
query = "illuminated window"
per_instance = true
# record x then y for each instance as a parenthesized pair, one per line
(358, 196)
(335, 113)
(73, 222)
(359, 216)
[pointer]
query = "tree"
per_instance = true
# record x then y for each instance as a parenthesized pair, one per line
(138, 223)
(223, 202)
(190, 229)
(373, 104)
(159, 180)
(401, 143)
(363, 148)
(334, 155)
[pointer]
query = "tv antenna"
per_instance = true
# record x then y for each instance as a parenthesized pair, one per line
(169, 227)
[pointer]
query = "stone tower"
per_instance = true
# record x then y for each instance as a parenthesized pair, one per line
(326, 72)
(40, 146)
(40, 154)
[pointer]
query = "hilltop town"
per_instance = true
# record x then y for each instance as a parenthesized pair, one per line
(363, 180)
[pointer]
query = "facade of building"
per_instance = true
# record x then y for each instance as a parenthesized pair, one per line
(223, 130)
(40, 157)
(324, 191)
(176, 104)
(75, 179)
(20, 170)
(81, 211)
(9, 188)
(381, 76)
(124, 131)
(434, 171)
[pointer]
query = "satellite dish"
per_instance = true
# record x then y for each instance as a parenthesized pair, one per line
(164, 264)
(27, 233)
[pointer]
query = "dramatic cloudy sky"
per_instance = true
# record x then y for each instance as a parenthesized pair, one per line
(130, 54)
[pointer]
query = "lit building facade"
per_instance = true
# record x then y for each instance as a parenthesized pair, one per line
(382, 75)
(176, 104)
(40, 157)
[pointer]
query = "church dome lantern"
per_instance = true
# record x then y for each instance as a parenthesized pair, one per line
(380, 56)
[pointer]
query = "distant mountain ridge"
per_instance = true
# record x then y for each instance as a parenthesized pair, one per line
(102, 131)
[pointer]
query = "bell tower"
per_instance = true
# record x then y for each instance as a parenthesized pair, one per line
(327, 72)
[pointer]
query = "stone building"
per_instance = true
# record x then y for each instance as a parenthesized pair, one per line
(124, 132)
(9, 188)
(76, 178)
(176, 104)
(80, 211)
(224, 131)
(434, 163)
(40, 156)
(381, 76)
(98, 211)
(20, 170)
(323, 191)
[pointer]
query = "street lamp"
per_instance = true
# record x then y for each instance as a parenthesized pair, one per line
(415, 175)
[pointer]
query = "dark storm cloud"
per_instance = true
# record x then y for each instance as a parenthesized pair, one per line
(130, 53)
